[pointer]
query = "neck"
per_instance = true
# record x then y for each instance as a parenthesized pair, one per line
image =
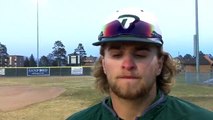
(130, 109)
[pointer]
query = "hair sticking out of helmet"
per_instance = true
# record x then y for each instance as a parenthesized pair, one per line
(131, 25)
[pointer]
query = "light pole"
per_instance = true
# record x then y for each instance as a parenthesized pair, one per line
(37, 33)
(197, 39)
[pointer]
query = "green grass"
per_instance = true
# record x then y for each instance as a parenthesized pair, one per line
(80, 93)
(199, 94)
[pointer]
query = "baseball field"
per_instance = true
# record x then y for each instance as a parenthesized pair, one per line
(79, 93)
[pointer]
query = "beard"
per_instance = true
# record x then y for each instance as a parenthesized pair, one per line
(130, 92)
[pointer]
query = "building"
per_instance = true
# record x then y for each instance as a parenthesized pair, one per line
(16, 61)
(73, 59)
(189, 64)
(3, 61)
(89, 61)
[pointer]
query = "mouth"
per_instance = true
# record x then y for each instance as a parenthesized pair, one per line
(128, 77)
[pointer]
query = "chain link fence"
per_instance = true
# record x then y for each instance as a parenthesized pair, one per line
(46, 71)
(189, 77)
(199, 78)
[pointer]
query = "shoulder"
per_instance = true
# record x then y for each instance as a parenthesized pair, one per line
(87, 114)
(184, 107)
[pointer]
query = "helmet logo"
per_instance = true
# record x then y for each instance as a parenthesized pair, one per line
(126, 20)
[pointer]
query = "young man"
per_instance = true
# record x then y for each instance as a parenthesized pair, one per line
(136, 73)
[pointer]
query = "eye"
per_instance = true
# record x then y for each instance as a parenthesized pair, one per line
(115, 54)
(141, 54)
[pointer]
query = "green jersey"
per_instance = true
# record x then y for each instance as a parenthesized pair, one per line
(164, 108)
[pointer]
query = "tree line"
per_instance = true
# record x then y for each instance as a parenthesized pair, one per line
(57, 57)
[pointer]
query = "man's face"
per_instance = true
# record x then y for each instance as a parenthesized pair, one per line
(131, 69)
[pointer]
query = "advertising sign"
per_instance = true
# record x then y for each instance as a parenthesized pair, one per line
(38, 71)
(2, 71)
(76, 70)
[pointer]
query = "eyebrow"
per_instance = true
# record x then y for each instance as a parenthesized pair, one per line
(137, 48)
(111, 47)
(143, 48)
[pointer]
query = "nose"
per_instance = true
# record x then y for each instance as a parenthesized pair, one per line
(128, 63)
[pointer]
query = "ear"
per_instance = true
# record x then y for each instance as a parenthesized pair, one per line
(103, 64)
(160, 65)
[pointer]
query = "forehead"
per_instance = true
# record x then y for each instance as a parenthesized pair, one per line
(133, 45)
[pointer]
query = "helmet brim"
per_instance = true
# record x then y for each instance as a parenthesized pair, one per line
(154, 41)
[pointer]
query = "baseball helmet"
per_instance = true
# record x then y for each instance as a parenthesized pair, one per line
(131, 25)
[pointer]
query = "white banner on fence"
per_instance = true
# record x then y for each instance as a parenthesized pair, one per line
(2, 71)
(76, 70)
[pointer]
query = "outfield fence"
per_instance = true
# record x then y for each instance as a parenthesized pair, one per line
(46, 71)
(189, 77)
(202, 77)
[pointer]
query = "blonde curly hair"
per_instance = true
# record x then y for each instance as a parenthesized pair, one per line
(164, 81)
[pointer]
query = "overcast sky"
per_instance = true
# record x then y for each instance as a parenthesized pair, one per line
(80, 21)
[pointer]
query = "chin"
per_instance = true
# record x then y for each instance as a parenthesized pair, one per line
(130, 93)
